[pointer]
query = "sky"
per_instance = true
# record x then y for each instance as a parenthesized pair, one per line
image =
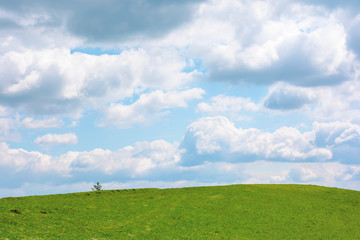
(157, 93)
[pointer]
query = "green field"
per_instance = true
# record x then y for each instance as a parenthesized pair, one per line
(223, 212)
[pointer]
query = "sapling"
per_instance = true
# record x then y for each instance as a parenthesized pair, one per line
(97, 187)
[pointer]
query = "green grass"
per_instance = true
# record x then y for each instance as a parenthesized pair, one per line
(223, 212)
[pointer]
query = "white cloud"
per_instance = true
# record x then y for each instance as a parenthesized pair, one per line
(286, 97)
(209, 174)
(217, 139)
(332, 174)
(338, 103)
(19, 165)
(58, 82)
(20, 159)
(52, 122)
(6, 124)
(149, 106)
(135, 160)
(149, 163)
(263, 42)
(30, 81)
(223, 104)
(322, 103)
(342, 138)
(56, 139)
(311, 46)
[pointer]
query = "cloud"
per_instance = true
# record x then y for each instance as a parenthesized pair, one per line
(163, 49)
(217, 139)
(333, 174)
(149, 106)
(52, 122)
(6, 124)
(106, 22)
(8, 127)
(209, 174)
(56, 139)
(343, 138)
(212, 152)
(286, 97)
(338, 103)
(128, 19)
(223, 104)
(19, 166)
(246, 41)
(56, 82)
(321, 103)
(352, 4)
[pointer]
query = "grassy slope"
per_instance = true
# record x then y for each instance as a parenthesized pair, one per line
(226, 212)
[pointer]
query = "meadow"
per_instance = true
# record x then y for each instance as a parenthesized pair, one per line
(219, 212)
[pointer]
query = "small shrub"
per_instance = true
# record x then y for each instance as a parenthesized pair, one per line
(97, 187)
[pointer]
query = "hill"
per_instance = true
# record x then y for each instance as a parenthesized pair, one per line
(221, 212)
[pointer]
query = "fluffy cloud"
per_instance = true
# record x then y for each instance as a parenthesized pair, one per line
(149, 106)
(263, 42)
(212, 152)
(56, 139)
(338, 103)
(325, 174)
(162, 48)
(41, 123)
(287, 97)
(223, 104)
(58, 82)
(343, 138)
(322, 103)
(217, 139)
(19, 165)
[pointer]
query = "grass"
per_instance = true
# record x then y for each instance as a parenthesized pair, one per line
(223, 212)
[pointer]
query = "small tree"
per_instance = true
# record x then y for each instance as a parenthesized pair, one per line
(97, 187)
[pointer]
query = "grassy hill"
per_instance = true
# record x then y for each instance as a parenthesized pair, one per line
(223, 212)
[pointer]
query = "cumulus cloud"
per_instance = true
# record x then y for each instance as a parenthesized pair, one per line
(217, 139)
(213, 151)
(286, 97)
(19, 165)
(343, 138)
(58, 82)
(325, 174)
(52, 122)
(333, 174)
(56, 139)
(321, 103)
(229, 105)
(340, 103)
(148, 106)
(162, 48)
(247, 41)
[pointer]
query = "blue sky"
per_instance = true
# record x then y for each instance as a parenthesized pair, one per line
(147, 93)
